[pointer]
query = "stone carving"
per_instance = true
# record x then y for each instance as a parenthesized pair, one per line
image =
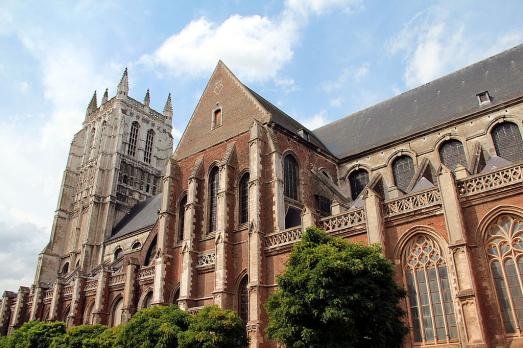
(205, 259)
(413, 202)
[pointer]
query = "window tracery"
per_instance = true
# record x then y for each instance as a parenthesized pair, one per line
(214, 182)
(358, 180)
(507, 141)
(291, 177)
(244, 198)
(148, 146)
(452, 153)
(403, 170)
(133, 136)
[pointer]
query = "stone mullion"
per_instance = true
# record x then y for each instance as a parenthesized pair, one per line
(465, 294)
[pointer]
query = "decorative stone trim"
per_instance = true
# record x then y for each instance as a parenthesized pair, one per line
(343, 221)
(283, 238)
(205, 259)
(413, 202)
(117, 279)
(490, 181)
(91, 285)
(146, 273)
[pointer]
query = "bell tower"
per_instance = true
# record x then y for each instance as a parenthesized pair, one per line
(116, 160)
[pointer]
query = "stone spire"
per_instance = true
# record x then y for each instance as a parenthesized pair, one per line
(168, 109)
(92, 105)
(147, 98)
(106, 96)
(123, 86)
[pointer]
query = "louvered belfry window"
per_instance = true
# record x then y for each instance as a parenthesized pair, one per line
(508, 142)
(430, 302)
(358, 180)
(290, 177)
(133, 136)
(452, 153)
(403, 169)
(148, 146)
(214, 178)
(504, 248)
(244, 198)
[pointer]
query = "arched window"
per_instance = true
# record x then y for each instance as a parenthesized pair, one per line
(507, 141)
(181, 217)
(148, 146)
(244, 198)
(504, 247)
(358, 180)
(452, 153)
(65, 268)
(87, 319)
(151, 253)
(136, 245)
(133, 136)
(429, 298)
(214, 182)
(291, 177)
(116, 313)
(118, 253)
(243, 300)
(403, 170)
(147, 300)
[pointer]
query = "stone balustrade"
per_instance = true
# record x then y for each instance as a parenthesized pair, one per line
(207, 258)
(68, 290)
(412, 202)
(343, 221)
(91, 284)
(146, 273)
(48, 294)
(117, 279)
(283, 238)
(489, 181)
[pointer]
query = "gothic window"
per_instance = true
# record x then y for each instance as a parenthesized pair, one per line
(504, 247)
(507, 141)
(65, 268)
(148, 146)
(291, 177)
(118, 253)
(214, 181)
(116, 313)
(324, 205)
(243, 300)
(181, 217)
(452, 153)
(403, 170)
(133, 137)
(87, 319)
(429, 296)
(244, 198)
(151, 253)
(358, 180)
(216, 118)
(146, 302)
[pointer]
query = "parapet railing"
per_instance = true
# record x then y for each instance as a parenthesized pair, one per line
(412, 202)
(283, 238)
(493, 180)
(146, 272)
(91, 284)
(343, 221)
(117, 279)
(48, 294)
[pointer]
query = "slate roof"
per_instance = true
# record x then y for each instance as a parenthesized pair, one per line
(435, 103)
(142, 214)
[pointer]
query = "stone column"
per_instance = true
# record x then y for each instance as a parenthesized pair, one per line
(472, 319)
(55, 301)
(102, 289)
(5, 311)
(255, 254)
(36, 302)
(128, 293)
(75, 313)
(375, 218)
(188, 254)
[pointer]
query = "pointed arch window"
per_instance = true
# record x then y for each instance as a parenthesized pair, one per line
(133, 137)
(507, 141)
(116, 313)
(244, 198)
(181, 218)
(504, 248)
(243, 300)
(149, 140)
(291, 177)
(403, 170)
(118, 253)
(151, 253)
(214, 181)
(452, 153)
(429, 295)
(147, 300)
(358, 180)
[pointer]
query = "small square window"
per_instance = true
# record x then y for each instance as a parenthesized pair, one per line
(483, 98)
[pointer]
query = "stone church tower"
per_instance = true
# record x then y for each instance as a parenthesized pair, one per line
(116, 160)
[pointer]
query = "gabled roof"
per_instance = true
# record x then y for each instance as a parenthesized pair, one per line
(142, 215)
(433, 104)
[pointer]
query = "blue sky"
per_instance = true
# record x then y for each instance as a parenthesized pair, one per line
(318, 60)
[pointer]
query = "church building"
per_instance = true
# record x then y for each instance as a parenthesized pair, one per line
(434, 175)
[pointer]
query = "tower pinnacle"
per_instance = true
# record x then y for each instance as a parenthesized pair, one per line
(105, 96)
(168, 108)
(92, 104)
(123, 86)
(147, 98)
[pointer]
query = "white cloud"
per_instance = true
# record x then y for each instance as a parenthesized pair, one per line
(22, 86)
(433, 45)
(336, 102)
(316, 120)
(255, 47)
(346, 75)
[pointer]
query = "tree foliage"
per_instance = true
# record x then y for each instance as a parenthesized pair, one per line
(336, 294)
(212, 327)
(81, 336)
(156, 327)
(34, 334)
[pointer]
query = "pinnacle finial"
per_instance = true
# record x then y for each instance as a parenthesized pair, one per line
(92, 104)
(123, 86)
(147, 98)
(105, 96)
(168, 108)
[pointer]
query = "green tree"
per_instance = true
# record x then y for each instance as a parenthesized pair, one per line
(212, 327)
(336, 294)
(156, 327)
(34, 334)
(79, 337)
